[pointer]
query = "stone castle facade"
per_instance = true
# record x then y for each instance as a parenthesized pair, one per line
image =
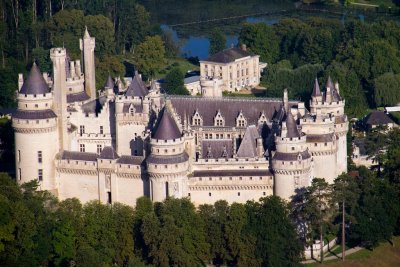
(132, 141)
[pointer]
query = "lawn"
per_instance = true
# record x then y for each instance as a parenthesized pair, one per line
(385, 255)
(183, 64)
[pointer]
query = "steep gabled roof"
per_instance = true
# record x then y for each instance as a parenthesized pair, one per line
(291, 126)
(167, 128)
(229, 55)
(137, 87)
(109, 83)
(316, 90)
(35, 84)
(248, 147)
(108, 153)
(378, 118)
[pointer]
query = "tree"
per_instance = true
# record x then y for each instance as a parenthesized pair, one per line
(174, 83)
(217, 42)
(386, 91)
(123, 217)
(149, 56)
(345, 193)
(260, 39)
(277, 241)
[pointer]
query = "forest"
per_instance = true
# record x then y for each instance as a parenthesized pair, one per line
(36, 229)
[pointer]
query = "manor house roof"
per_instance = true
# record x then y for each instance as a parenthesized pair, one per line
(378, 118)
(229, 55)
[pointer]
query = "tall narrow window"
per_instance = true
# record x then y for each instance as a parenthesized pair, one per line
(82, 129)
(40, 175)
(20, 173)
(19, 155)
(99, 148)
(39, 156)
(82, 147)
(101, 130)
(109, 200)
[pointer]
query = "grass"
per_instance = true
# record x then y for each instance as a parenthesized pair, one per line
(181, 63)
(387, 3)
(385, 255)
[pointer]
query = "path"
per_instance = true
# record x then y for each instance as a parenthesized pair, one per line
(338, 256)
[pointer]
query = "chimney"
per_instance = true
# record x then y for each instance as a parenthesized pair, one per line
(286, 100)
(243, 47)
(20, 81)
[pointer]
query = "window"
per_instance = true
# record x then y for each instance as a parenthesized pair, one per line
(101, 130)
(209, 194)
(292, 148)
(99, 148)
(39, 155)
(264, 193)
(188, 194)
(40, 175)
(109, 200)
(19, 174)
(238, 194)
(82, 147)
(241, 123)
(219, 122)
(82, 129)
(19, 155)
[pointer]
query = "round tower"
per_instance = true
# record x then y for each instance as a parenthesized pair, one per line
(36, 132)
(168, 162)
(87, 46)
(291, 162)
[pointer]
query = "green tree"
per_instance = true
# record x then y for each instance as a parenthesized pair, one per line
(260, 39)
(386, 91)
(345, 193)
(217, 42)
(174, 83)
(123, 217)
(149, 56)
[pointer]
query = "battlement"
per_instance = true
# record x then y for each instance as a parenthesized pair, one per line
(233, 161)
(58, 52)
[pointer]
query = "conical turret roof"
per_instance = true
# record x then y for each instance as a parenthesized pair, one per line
(291, 126)
(316, 90)
(109, 83)
(167, 128)
(35, 84)
(137, 87)
(329, 83)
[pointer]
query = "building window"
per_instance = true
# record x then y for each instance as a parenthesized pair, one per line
(188, 194)
(99, 148)
(39, 155)
(238, 194)
(82, 129)
(264, 193)
(209, 194)
(19, 155)
(82, 147)
(101, 130)
(109, 200)
(40, 175)
(19, 174)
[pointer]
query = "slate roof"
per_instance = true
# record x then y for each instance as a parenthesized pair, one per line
(229, 55)
(291, 125)
(34, 115)
(320, 138)
(229, 107)
(214, 173)
(167, 128)
(77, 97)
(291, 156)
(217, 148)
(138, 107)
(248, 147)
(108, 152)
(191, 79)
(109, 83)
(137, 87)
(35, 83)
(84, 156)
(155, 159)
(94, 106)
(133, 160)
(316, 90)
(378, 118)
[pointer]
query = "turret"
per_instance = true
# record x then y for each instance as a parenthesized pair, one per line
(291, 162)
(87, 45)
(36, 136)
(168, 162)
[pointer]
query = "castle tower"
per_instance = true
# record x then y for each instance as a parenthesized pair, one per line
(328, 108)
(168, 162)
(58, 56)
(291, 163)
(36, 132)
(87, 45)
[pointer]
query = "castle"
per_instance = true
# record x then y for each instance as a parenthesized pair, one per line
(133, 141)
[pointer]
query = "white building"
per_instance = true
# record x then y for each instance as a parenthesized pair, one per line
(130, 142)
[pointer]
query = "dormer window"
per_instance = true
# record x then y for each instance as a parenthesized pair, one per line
(262, 119)
(241, 120)
(219, 120)
(196, 119)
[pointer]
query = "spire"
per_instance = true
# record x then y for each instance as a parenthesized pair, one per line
(291, 126)
(109, 83)
(137, 87)
(167, 128)
(86, 35)
(316, 90)
(329, 83)
(35, 84)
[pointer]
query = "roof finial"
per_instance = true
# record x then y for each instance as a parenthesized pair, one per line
(86, 35)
